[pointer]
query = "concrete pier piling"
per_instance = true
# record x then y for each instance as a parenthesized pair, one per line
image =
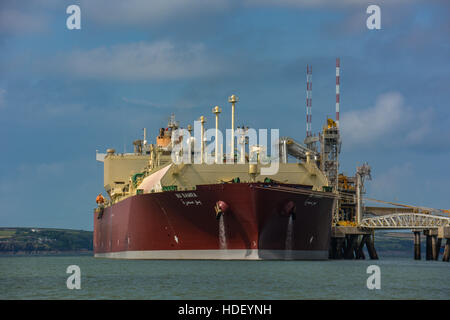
(350, 245)
(371, 247)
(417, 254)
(434, 241)
(332, 249)
(339, 247)
(434, 252)
(444, 233)
(347, 242)
(359, 252)
(446, 255)
(429, 253)
(438, 247)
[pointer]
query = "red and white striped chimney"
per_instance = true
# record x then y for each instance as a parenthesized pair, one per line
(308, 100)
(337, 90)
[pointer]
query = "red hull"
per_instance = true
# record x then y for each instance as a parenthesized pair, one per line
(261, 222)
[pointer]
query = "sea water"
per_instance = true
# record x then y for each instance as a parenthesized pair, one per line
(45, 277)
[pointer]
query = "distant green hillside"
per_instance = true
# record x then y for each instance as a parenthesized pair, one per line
(43, 240)
(400, 244)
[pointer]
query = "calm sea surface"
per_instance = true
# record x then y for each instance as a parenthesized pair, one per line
(44, 277)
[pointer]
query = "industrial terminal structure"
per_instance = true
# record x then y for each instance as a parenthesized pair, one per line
(354, 224)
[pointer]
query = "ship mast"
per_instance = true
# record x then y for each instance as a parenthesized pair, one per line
(233, 99)
(202, 142)
(216, 110)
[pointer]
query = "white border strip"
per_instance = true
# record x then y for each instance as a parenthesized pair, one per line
(233, 254)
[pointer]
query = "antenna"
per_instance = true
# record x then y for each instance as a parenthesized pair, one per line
(337, 90)
(308, 100)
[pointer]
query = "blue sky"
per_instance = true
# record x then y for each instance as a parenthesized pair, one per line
(65, 93)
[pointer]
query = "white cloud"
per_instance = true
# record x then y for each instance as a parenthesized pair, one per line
(390, 184)
(389, 122)
(181, 103)
(144, 12)
(148, 13)
(61, 109)
(16, 17)
(320, 3)
(143, 102)
(138, 12)
(41, 170)
(13, 21)
(144, 61)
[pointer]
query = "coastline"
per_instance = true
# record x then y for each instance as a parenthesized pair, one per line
(46, 253)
